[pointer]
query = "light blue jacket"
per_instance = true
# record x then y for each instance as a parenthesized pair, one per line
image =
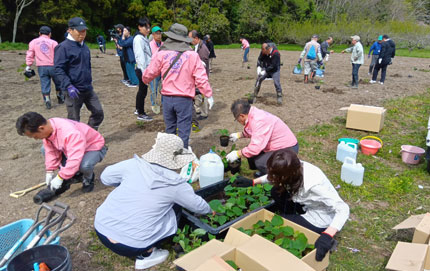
(138, 212)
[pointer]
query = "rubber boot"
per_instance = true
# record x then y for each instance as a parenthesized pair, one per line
(312, 76)
(88, 184)
(47, 100)
(279, 98)
(60, 97)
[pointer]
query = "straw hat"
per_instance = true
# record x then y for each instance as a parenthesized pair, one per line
(169, 152)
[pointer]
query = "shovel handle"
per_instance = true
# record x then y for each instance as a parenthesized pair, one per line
(21, 193)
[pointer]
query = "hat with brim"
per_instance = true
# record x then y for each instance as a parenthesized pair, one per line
(155, 29)
(77, 23)
(169, 152)
(178, 32)
(46, 30)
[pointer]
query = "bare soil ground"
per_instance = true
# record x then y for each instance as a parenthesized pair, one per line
(22, 165)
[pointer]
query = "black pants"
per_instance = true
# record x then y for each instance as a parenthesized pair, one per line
(141, 93)
(259, 162)
(91, 101)
(292, 210)
(124, 71)
(383, 72)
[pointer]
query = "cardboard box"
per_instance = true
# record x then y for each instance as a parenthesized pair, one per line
(364, 117)
(409, 257)
(309, 259)
(249, 253)
(421, 224)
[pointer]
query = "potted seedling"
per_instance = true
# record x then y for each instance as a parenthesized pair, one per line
(187, 239)
(224, 137)
(250, 98)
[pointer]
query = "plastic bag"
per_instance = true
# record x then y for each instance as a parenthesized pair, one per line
(297, 69)
(191, 170)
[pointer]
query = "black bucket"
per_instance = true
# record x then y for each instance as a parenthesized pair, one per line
(56, 257)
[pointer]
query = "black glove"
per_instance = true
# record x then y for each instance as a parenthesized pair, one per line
(323, 244)
(319, 63)
(243, 182)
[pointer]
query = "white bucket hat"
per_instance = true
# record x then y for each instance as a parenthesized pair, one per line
(169, 152)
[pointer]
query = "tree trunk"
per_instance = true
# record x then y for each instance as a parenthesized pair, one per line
(20, 5)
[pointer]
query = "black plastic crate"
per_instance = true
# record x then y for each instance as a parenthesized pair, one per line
(211, 192)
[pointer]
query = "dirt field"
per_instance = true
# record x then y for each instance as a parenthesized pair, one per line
(22, 165)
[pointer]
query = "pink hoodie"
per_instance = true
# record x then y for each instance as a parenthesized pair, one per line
(43, 48)
(245, 44)
(184, 77)
(267, 133)
(154, 47)
(73, 139)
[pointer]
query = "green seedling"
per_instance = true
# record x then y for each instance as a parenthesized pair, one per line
(190, 239)
(223, 154)
(232, 264)
(284, 236)
(223, 132)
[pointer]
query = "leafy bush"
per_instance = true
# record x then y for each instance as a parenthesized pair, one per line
(190, 239)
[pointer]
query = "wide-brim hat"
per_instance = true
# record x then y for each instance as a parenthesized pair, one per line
(178, 32)
(169, 152)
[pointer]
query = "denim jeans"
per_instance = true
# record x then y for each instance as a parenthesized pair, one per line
(245, 55)
(355, 68)
(129, 66)
(154, 87)
(46, 73)
(177, 113)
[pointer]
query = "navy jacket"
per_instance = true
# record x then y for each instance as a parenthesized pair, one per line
(101, 40)
(72, 65)
(388, 51)
(127, 49)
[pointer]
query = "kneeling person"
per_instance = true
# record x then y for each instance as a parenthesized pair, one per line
(70, 146)
(140, 213)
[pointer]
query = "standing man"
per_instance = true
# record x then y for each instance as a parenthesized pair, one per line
(42, 48)
(142, 52)
(388, 51)
(245, 48)
(376, 49)
(211, 48)
(102, 43)
(70, 147)
(202, 50)
(72, 64)
(269, 66)
(357, 58)
(268, 133)
(313, 58)
(155, 44)
(325, 52)
(182, 71)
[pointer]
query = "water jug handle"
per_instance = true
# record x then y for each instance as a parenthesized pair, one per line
(354, 146)
(345, 161)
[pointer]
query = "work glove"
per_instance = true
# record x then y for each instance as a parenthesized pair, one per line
(73, 92)
(327, 57)
(235, 136)
(243, 182)
(323, 244)
(210, 102)
(232, 156)
(320, 63)
(259, 69)
(263, 72)
(56, 183)
(49, 176)
(300, 61)
(28, 68)
(380, 60)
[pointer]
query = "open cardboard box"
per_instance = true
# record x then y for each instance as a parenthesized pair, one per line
(364, 117)
(249, 253)
(309, 259)
(421, 224)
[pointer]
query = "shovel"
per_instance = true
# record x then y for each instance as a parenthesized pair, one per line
(21, 193)
(156, 108)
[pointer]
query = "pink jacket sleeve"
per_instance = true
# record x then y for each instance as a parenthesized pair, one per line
(75, 148)
(200, 77)
(259, 139)
(29, 58)
(153, 70)
(52, 157)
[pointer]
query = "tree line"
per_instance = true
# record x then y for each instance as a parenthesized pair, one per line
(282, 21)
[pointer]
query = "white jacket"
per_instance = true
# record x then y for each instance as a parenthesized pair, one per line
(142, 51)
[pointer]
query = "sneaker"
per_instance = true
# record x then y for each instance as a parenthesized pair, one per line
(88, 185)
(195, 128)
(202, 117)
(144, 117)
(123, 81)
(131, 86)
(136, 112)
(157, 256)
(48, 105)
(354, 86)
(381, 83)
(60, 99)
(372, 81)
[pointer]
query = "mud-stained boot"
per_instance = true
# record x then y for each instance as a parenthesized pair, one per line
(47, 100)
(279, 98)
(305, 80)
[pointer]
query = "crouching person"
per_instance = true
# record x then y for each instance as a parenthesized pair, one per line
(141, 212)
(304, 195)
(73, 148)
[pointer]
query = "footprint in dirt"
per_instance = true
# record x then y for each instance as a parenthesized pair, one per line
(333, 90)
(267, 101)
(395, 75)
(243, 78)
(127, 132)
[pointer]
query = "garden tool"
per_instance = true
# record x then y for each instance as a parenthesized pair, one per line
(156, 108)
(21, 193)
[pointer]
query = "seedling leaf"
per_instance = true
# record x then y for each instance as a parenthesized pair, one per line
(277, 221)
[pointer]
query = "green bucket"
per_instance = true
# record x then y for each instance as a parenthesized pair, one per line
(349, 140)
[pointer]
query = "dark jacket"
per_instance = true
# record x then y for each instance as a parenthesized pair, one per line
(101, 40)
(271, 63)
(388, 51)
(72, 65)
(127, 49)
(324, 49)
(203, 52)
(211, 49)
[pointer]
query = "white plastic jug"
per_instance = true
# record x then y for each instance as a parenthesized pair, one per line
(352, 172)
(211, 169)
(346, 150)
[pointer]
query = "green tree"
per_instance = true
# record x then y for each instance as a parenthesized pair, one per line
(4, 17)
(212, 22)
(252, 21)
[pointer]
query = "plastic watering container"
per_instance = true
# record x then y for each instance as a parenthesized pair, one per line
(346, 150)
(211, 169)
(352, 172)
(348, 140)
(411, 154)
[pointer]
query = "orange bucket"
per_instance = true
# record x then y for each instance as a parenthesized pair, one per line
(370, 146)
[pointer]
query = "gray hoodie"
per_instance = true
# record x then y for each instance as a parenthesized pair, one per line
(138, 212)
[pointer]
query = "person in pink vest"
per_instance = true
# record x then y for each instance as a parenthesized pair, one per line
(73, 148)
(268, 133)
(42, 48)
(155, 45)
(182, 72)
(245, 47)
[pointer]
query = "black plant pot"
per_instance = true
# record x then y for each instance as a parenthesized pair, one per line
(235, 166)
(224, 140)
(250, 100)
(317, 87)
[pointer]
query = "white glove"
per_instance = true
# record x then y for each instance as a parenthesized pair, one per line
(235, 136)
(263, 72)
(56, 183)
(380, 60)
(327, 57)
(28, 68)
(204, 64)
(49, 176)
(232, 156)
(259, 69)
(210, 102)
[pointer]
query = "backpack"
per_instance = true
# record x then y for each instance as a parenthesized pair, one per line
(311, 53)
